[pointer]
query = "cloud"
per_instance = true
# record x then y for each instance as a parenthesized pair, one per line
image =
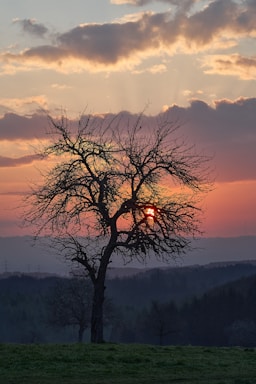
(31, 27)
(13, 193)
(124, 45)
(226, 131)
(226, 122)
(232, 65)
(24, 160)
(22, 104)
(183, 4)
(132, 2)
(14, 127)
(60, 86)
(192, 94)
(155, 69)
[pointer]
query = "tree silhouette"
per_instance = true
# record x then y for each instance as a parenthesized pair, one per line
(69, 304)
(160, 321)
(118, 189)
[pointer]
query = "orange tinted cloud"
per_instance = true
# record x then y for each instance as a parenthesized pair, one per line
(24, 103)
(232, 65)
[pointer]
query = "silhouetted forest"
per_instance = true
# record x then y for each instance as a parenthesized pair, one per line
(206, 305)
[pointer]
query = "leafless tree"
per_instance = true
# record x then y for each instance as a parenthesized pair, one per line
(161, 320)
(69, 304)
(131, 191)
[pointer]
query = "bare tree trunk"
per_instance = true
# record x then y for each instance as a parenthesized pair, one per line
(97, 312)
(99, 293)
(80, 334)
(161, 335)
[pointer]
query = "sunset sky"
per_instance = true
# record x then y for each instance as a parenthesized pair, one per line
(189, 60)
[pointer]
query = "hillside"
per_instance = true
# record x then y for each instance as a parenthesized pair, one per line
(197, 305)
(164, 284)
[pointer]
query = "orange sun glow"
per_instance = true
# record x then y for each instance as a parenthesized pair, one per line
(150, 212)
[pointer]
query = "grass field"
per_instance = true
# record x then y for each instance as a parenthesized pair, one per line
(125, 364)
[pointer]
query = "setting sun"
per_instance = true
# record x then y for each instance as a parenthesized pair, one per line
(150, 212)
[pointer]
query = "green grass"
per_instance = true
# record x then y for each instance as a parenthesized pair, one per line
(125, 364)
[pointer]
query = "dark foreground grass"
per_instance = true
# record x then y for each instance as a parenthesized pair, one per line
(125, 364)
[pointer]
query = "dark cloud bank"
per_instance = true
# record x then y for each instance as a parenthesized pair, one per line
(13, 127)
(227, 132)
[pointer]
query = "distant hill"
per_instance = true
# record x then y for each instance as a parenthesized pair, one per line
(242, 286)
(135, 286)
(178, 284)
(32, 275)
(204, 294)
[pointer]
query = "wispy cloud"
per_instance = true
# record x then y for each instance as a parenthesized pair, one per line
(15, 162)
(31, 27)
(124, 45)
(21, 104)
(155, 69)
(139, 3)
(233, 65)
(60, 86)
(14, 193)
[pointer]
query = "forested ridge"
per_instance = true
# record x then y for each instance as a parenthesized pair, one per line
(200, 305)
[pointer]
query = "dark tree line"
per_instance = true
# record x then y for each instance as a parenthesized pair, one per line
(49, 310)
(220, 317)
